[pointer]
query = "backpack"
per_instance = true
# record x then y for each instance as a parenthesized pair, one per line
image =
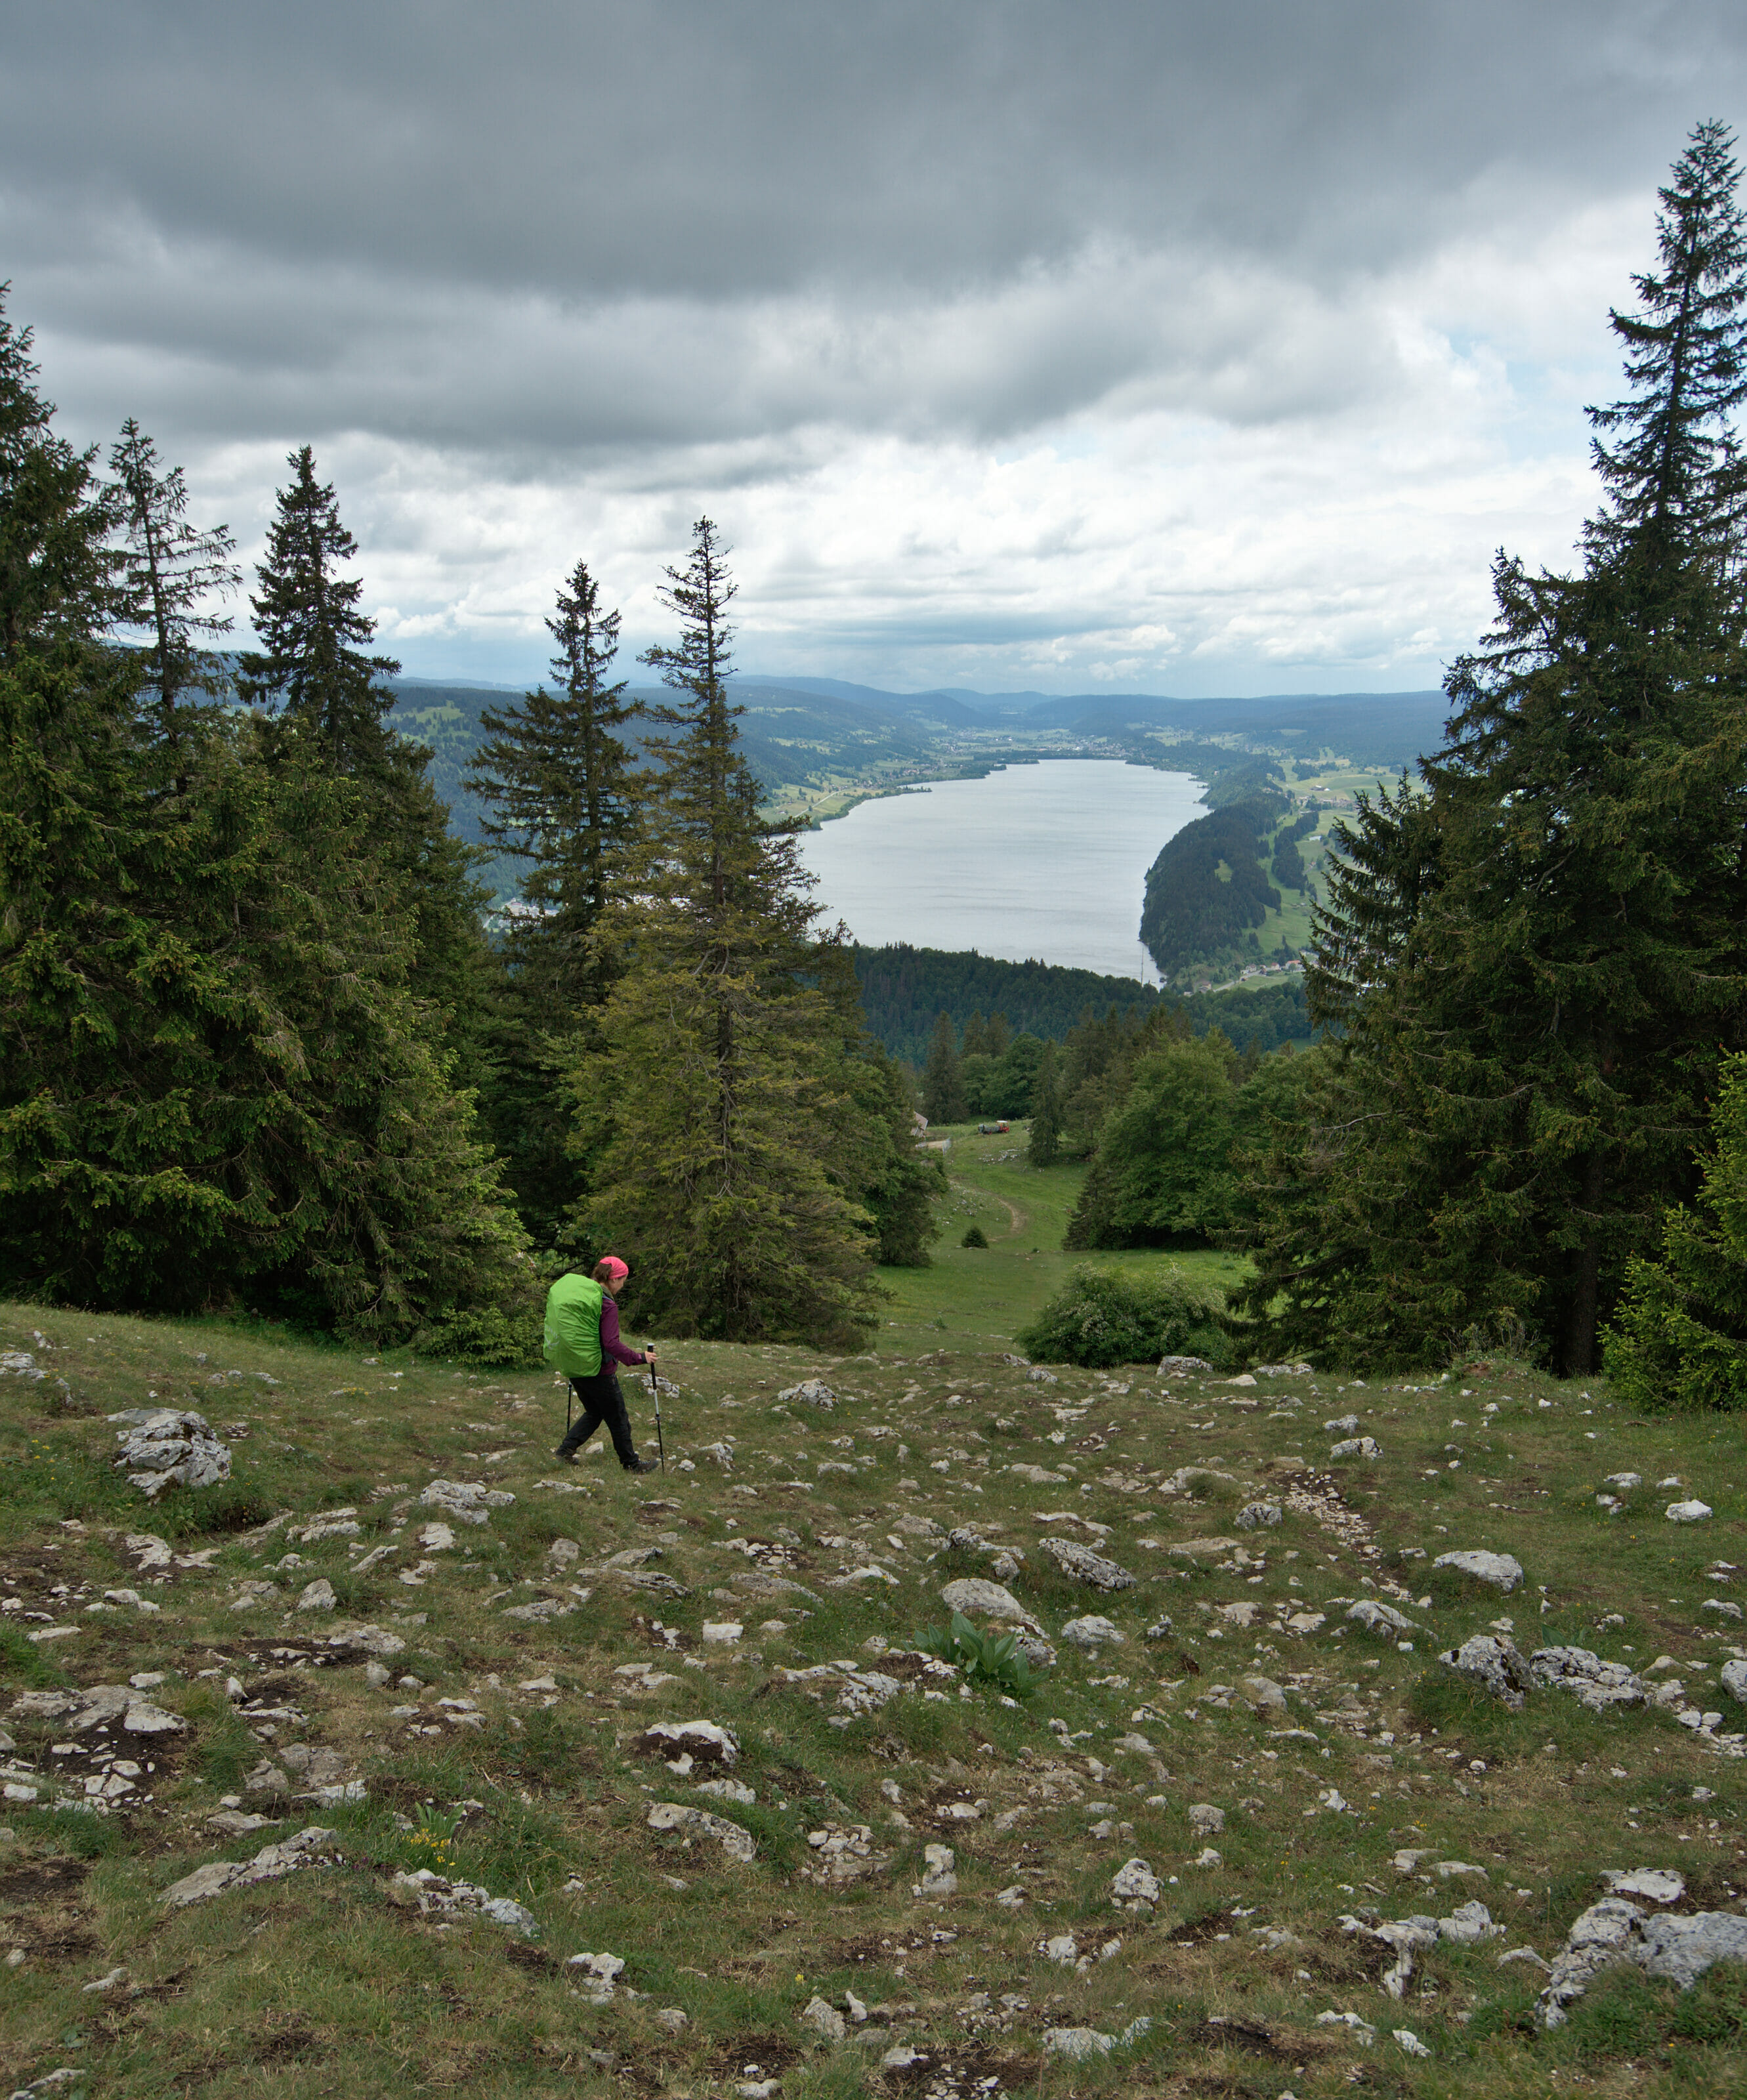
(573, 1326)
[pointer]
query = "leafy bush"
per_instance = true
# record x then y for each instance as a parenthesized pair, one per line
(1111, 1316)
(974, 1237)
(984, 1658)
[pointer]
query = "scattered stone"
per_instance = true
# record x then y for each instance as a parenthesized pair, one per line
(1362, 2030)
(541, 1612)
(1204, 1819)
(234, 1822)
(317, 1596)
(739, 1845)
(842, 1853)
(1380, 1618)
(825, 2020)
(1409, 2042)
(686, 1746)
(428, 1893)
(1039, 1476)
(1257, 1516)
(1091, 1633)
(1135, 1886)
(1077, 2044)
(1063, 1949)
(1086, 1566)
(1615, 1931)
(1037, 1375)
(1686, 1512)
(1343, 1424)
(19, 1363)
(1596, 1684)
(468, 1502)
(728, 1790)
(168, 1447)
(672, 2018)
(1623, 1481)
(1468, 1925)
(596, 1976)
(1201, 1549)
(1496, 1662)
(1660, 1885)
(812, 1392)
(1734, 1676)
(1357, 1447)
(272, 1862)
(141, 1717)
(938, 1878)
(1182, 1366)
(722, 1632)
(1264, 1696)
(1501, 1570)
(109, 1983)
(899, 2056)
(973, 1593)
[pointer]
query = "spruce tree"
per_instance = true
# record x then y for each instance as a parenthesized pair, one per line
(312, 665)
(1536, 951)
(57, 571)
(716, 1121)
(942, 1075)
(328, 702)
(1044, 1146)
(555, 773)
(171, 571)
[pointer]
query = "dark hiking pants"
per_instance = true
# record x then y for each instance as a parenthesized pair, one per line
(601, 1400)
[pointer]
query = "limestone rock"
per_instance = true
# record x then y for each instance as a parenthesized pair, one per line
(429, 1892)
(1616, 1931)
(972, 1593)
(1688, 1512)
(167, 1447)
(271, 1863)
(1204, 1819)
(1501, 1570)
(824, 2020)
(468, 1502)
(1257, 1516)
(1660, 1885)
(1086, 1566)
(597, 1975)
(811, 1392)
(1380, 1618)
(737, 1843)
(1135, 1885)
(317, 1596)
(1091, 1633)
(1496, 1663)
(1734, 1676)
(1264, 1695)
(685, 1746)
(1077, 2044)
(1357, 1447)
(1346, 1424)
(1596, 1684)
(1182, 1366)
(939, 1878)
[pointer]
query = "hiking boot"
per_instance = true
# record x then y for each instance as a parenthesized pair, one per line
(642, 1466)
(567, 1454)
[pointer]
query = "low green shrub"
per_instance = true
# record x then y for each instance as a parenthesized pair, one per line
(974, 1237)
(1102, 1316)
(984, 1658)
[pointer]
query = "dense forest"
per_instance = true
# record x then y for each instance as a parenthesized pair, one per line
(904, 990)
(1525, 1124)
(258, 1050)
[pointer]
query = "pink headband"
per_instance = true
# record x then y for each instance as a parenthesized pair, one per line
(614, 1267)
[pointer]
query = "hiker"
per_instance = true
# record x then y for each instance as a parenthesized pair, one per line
(582, 1342)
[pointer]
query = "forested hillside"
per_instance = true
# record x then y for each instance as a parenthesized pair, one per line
(905, 990)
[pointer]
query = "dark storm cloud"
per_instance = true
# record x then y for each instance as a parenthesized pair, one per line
(1246, 278)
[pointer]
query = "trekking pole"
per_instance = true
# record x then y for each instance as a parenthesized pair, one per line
(654, 1387)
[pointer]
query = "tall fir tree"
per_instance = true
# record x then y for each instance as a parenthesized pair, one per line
(328, 697)
(715, 1120)
(1538, 952)
(555, 773)
(171, 574)
(215, 1086)
(942, 1075)
(57, 580)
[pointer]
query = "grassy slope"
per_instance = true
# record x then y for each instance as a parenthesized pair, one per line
(978, 1297)
(319, 1983)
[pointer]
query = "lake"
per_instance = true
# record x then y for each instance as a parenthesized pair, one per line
(1047, 861)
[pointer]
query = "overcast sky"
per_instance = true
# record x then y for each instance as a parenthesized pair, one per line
(1194, 348)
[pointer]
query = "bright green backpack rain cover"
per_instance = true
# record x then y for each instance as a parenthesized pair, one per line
(573, 1326)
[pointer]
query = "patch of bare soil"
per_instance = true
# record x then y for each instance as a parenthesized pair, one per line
(43, 1880)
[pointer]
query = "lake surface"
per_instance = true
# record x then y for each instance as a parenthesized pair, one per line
(1047, 861)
